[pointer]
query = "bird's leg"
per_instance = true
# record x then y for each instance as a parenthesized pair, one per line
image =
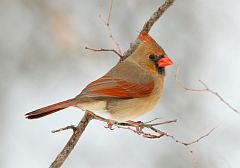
(110, 124)
(138, 125)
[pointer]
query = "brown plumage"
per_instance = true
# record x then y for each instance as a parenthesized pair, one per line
(130, 89)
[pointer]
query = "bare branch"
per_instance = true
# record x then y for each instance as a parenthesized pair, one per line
(62, 156)
(148, 25)
(107, 23)
(220, 97)
(72, 127)
(164, 122)
(104, 49)
(110, 12)
(156, 15)
(199, 139)
(205, 89)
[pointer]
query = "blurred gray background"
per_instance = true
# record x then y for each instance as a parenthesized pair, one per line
(43, 61)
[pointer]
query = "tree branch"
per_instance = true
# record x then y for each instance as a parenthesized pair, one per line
(205, 89)
(77, 132)
(104, 49)
(140, 128)
(107, 23)
(148, 25)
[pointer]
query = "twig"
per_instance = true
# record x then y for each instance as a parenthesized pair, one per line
(205, 89)
(107, 23)
(164, 122)
(72, 127)
(187, 145)
(110, 12)
(155, 119)
(220, 97)
(148, 25)
(199, 139)
(104, 49)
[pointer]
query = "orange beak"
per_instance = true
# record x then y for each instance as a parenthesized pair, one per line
(165, 61)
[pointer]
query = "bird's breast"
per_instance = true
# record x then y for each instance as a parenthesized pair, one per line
(123, 110)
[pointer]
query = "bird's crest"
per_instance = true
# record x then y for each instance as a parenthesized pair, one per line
(145, 37)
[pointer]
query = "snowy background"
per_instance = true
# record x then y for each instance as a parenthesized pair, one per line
(43, 61)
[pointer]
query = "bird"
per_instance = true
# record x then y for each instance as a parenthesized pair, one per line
(130, 89)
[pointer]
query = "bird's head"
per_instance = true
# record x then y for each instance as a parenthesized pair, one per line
(150, 55)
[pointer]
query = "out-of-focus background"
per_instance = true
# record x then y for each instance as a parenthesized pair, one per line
(43, 61)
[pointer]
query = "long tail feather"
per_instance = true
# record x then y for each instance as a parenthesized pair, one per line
(49, 109)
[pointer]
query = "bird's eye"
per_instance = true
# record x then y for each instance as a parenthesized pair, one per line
(153, 57)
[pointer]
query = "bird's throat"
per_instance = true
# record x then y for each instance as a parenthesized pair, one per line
(161, 70)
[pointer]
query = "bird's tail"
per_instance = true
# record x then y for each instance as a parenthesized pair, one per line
(50, 109)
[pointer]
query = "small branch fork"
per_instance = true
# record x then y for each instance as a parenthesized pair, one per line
(77, 132)
(107, 24)
(205, 89)
(104, 49)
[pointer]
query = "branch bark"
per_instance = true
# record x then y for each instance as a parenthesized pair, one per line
(148, 25)
(206, 89)
(77, 132)
(62, 156)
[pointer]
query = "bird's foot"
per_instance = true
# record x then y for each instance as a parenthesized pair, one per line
(110, 124)
(138, 125)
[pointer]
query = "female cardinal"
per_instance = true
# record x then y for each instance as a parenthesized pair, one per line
(130, 89)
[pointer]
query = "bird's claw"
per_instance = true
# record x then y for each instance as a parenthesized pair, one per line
(138, 125)
(109, 125)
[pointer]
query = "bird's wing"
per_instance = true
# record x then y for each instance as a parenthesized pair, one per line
(121, 84)
(117, 88)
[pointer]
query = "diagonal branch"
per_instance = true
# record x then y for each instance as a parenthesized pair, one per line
(77, 132)
(205, 89)
(219, 96)
(107, 23)
(148, 25)
(104, 49)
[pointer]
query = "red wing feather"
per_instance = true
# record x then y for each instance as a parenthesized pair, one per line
(119, 88)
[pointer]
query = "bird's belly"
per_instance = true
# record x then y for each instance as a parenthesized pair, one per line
(98, 107)
(123, 110)
(94, 106)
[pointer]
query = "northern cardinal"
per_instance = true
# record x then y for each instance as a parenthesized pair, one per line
(130, 89)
